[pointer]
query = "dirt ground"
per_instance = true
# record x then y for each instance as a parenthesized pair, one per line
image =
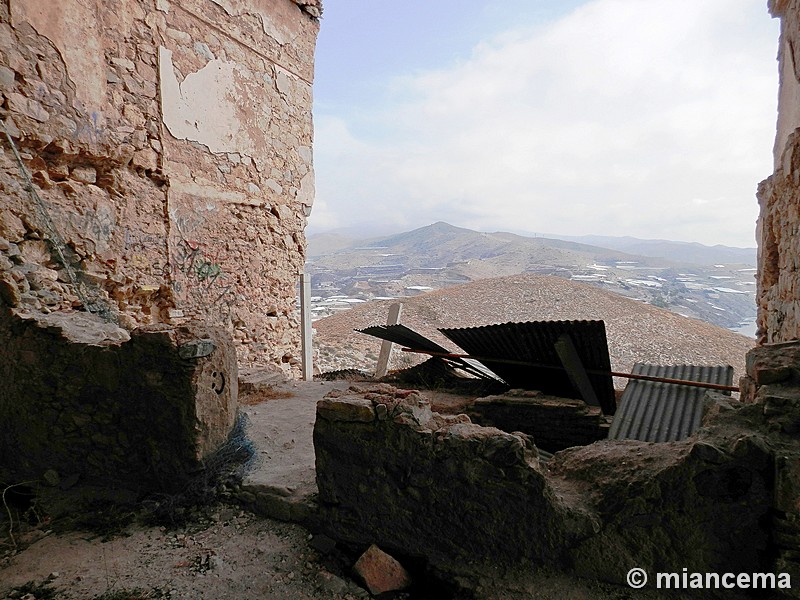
(230, 554)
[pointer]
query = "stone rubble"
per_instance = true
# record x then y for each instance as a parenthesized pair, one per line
(380, 572)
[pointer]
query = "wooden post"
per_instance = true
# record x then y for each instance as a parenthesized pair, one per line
(395, 311)
(305, 326)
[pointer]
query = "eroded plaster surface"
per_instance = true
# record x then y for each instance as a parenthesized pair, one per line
(171, 146)
(76, 32)
(216, 106)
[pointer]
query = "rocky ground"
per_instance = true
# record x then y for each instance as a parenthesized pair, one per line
(232, 555)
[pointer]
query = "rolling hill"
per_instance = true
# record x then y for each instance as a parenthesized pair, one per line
(636, 331)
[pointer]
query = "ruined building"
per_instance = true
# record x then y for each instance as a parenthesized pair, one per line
(779, 222)
(170, 146)
(156, 175)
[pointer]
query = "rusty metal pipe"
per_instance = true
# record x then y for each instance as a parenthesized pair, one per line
(506, 361)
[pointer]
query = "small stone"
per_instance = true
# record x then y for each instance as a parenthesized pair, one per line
(42, 179)
(204, 51)
(196, 349)
(28, 107)
(35, 251)
(13, 130)
(112, 77)
(180, 36)
(7, 78)
(48, 297)
(124, 63)
(51, 477)
(84, 174)
(9, 293)
(380, 572)
(139, 139)
(58, 172)
(346, 409)
(322, 543)
(145, 159)
(124, 154)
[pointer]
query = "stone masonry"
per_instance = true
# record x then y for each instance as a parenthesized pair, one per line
(83, 401)
(476, 501)
(169, 145)
(779, 221)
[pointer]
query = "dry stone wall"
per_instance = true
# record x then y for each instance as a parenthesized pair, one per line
(83, 401)
(476, 502)
(779, 220)
(169, 145)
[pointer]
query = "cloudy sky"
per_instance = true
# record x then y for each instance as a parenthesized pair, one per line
(650, 118)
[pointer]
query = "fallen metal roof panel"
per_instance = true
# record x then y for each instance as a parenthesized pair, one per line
(534, 342)
(663, 412)
(400, 334)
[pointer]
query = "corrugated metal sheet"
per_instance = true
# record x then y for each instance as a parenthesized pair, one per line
(534, 342)
(663, 412)
(400, 334)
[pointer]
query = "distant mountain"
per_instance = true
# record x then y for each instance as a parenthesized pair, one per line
(328, 243)
(439, 236)
(685, 252)
(441, 244)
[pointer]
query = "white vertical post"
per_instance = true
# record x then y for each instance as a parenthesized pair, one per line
(386, 347)
(305, 325)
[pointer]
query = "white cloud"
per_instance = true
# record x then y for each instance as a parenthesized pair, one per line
(626, 117)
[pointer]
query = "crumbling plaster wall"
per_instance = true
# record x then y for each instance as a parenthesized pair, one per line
(170, 143)
(779, 219)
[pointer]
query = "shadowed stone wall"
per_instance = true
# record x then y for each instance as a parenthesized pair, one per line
(89, 403)
(476, 502)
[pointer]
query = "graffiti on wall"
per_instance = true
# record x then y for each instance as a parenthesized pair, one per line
(91, 131)
(203, 277)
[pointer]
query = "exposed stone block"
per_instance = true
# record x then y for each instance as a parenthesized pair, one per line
(554, 423)
(100, 386)
(346, 409)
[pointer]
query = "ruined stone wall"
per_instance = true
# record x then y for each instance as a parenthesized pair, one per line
(476, 501)
(83, 401)
(170, 146)
(779, 220)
